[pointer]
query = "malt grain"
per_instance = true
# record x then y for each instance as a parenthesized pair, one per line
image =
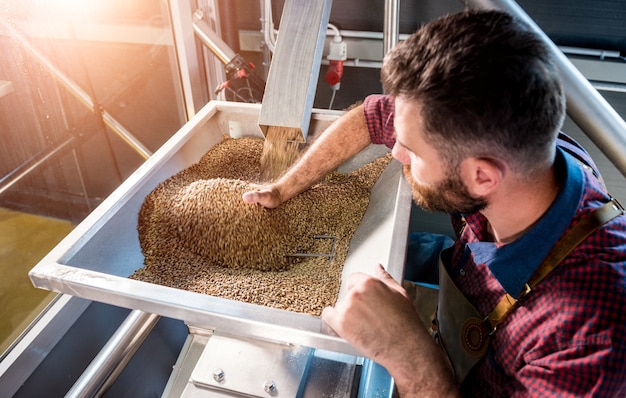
(197, 234)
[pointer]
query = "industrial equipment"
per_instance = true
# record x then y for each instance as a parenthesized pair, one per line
(234, 348)
(95, 260)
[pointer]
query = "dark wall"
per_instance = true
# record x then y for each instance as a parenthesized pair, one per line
(132, 82)
(597, 24)
(581, 23)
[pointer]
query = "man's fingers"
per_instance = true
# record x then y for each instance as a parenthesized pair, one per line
(385, 277)
(356, 278)
(264, 195)
(263, 198)
(330, 318)
(328, 314)
(381, 272)
(251, 197)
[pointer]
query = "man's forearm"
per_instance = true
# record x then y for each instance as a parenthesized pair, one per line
(343, 139)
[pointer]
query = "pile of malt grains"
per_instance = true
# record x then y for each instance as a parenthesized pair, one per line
(198, 235)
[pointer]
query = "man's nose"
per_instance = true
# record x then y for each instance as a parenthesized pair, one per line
(400, 153)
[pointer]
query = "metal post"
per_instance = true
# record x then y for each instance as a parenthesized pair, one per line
(210, 39)
(35, 161)
(591, 112)
(116, 353)
(392, 25)
(188, 56)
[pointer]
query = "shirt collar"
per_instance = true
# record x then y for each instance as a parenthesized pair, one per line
(510, 268)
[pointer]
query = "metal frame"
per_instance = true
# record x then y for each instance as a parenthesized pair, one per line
(114, 356)
(78, 92)
(189, 57)
(80, 265)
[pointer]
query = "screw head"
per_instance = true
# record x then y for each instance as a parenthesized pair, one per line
(218, 375)
(269, 385)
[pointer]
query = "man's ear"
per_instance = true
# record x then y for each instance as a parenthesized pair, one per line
(482, 176)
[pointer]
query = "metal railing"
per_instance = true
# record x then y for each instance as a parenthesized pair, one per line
(585, 106)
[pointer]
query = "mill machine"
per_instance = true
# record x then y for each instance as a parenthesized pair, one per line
(234, 348)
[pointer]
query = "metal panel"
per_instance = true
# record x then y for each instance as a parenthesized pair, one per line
(252, 367)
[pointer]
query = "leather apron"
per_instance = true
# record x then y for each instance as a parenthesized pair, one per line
(459, 328)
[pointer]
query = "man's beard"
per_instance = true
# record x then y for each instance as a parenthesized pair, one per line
(449, 195)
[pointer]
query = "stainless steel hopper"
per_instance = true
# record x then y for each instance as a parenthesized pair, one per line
(95, 260)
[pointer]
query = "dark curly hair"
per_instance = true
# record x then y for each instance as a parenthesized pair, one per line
(487, 86)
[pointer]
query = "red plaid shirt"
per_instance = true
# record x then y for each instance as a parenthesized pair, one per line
(568, 336)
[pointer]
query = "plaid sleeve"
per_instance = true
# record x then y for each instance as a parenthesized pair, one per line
(379, 113)
(576, 371)
(589, 323)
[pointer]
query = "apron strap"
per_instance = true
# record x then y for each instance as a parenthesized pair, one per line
(559, 251)
(458, 328)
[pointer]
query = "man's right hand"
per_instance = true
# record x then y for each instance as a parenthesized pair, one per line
(343, 139)
(264, 195)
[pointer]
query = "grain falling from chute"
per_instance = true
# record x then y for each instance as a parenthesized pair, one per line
(280, 150)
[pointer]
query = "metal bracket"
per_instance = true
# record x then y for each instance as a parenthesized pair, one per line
(252, 367)
(329, 255)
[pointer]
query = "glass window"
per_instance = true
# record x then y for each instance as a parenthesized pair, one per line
(88, 90)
